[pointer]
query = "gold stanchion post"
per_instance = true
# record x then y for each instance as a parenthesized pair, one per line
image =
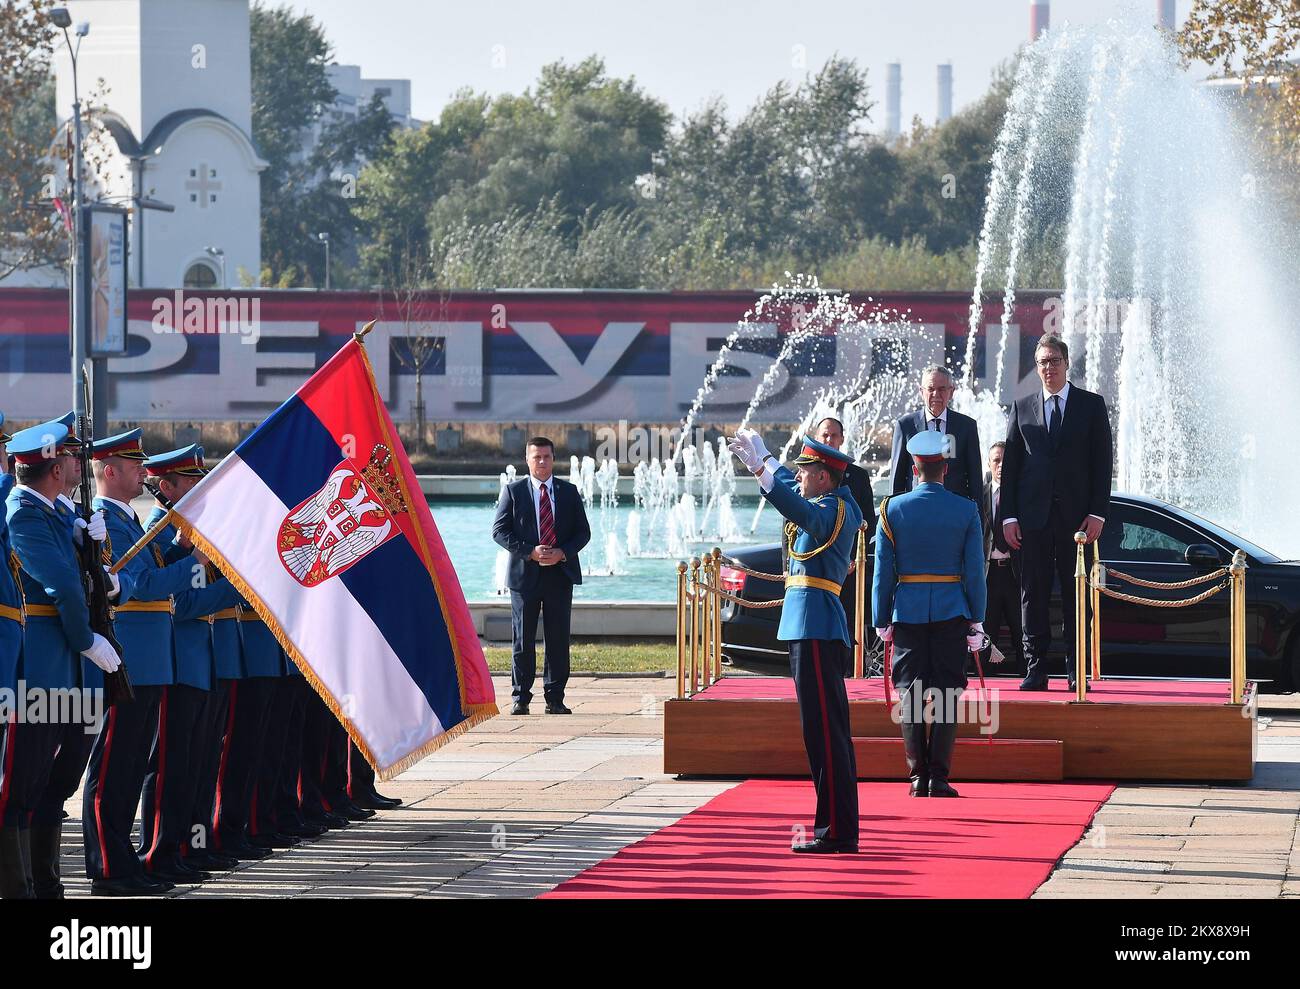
(695, 622)
(1080, 620)
(1098, 578)
(681, 630)
(1237, 626)
(717, 615)
(860, 601)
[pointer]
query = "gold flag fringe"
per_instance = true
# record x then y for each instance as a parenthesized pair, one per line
(474, 715)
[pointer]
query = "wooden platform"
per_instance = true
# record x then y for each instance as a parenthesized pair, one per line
(1156, 730)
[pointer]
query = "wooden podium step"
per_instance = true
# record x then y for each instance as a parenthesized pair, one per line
(972, 759)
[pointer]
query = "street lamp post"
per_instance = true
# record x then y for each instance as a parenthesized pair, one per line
(324, 238)
(62, 20)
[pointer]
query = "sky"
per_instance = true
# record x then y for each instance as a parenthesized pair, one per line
(685, 52)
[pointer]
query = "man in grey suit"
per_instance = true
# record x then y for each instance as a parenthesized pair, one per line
(965, 469)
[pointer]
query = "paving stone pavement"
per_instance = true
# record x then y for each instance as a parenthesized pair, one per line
(520, 804)
(1190, 841)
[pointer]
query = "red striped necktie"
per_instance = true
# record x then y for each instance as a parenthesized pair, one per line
(546, 522)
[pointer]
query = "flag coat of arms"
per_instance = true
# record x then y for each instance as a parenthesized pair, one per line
(319, 520)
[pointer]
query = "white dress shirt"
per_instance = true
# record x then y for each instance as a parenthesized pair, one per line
(36, 494)
(942, 419)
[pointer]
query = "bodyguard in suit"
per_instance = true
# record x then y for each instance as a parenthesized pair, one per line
(965, 471)
(541, 522)
(823, 518)
(928, 599)
(830, 432)
(1002, 583)
(1057, 472)
(57, 634)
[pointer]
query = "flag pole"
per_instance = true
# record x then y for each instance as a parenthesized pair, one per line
(143, 541)
(359, 335)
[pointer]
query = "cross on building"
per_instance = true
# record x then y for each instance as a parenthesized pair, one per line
(205, 185)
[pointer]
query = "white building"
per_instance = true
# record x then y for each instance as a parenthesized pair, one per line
(179, 115)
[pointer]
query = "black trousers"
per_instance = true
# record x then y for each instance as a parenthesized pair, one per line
(209, 738)
(817, 666)
(167, 800)
(552, 598)
(361, 775)
(118, 763)
(323, 778)
(932, 654)
(75, 744)
(264, 811)
(241, 753)
(26, 757)
(1044, 553)
(1002, 588)
(288, 786)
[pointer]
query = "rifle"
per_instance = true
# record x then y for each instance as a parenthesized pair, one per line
(117, 685)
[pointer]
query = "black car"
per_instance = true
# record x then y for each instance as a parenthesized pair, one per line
(1144, 537)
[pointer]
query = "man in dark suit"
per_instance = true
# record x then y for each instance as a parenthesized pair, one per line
(1057, 473)
(965, 470)
(831, 432)
(541, 522)
(1002, 569)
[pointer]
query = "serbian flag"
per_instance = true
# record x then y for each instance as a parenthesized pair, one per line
(319, 520)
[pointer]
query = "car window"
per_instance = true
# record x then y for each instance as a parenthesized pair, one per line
(1138, 535)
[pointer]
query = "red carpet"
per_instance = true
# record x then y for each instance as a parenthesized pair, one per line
(1103, 692)
(996, 841)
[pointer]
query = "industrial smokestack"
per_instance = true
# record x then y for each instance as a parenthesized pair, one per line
(1166, 14)
(894, 99)
(1040, 18)
(945, 92)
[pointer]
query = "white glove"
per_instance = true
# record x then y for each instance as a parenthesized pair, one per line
(976, 640)
(97, 529)
(742, 447)
(102, 654)
(885, 634)
(78, 528)
(114, 584)
(757, 445)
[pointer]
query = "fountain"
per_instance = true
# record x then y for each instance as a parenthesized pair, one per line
(1177, 277)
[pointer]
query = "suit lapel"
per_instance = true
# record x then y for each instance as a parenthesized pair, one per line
(527, 491)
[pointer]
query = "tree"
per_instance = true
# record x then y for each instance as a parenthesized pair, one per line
(28, 237)
(1255, 40)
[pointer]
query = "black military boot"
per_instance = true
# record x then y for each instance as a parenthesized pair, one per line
(47, 843)
(15, 877)
(943, 738)
(914, 747)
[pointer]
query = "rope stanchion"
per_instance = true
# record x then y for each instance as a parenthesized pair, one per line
(1156, 603)
(1170, 585)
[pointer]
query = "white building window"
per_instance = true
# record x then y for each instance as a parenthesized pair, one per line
(201, 275)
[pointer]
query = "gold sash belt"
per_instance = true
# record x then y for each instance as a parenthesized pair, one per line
(820, 583)
(929, 578)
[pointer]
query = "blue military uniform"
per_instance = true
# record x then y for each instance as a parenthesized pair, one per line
(56, 630)
(821, 539)
(181, 746)
(929, 586)
(143, 624)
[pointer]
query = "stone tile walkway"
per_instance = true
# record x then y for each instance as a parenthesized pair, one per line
(520, 804)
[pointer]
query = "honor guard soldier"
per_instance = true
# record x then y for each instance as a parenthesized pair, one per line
(185, 713)
(77, 740)
(143, 623)
(57, 634)
(13, 867)
(928, 600)
(823, 520)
